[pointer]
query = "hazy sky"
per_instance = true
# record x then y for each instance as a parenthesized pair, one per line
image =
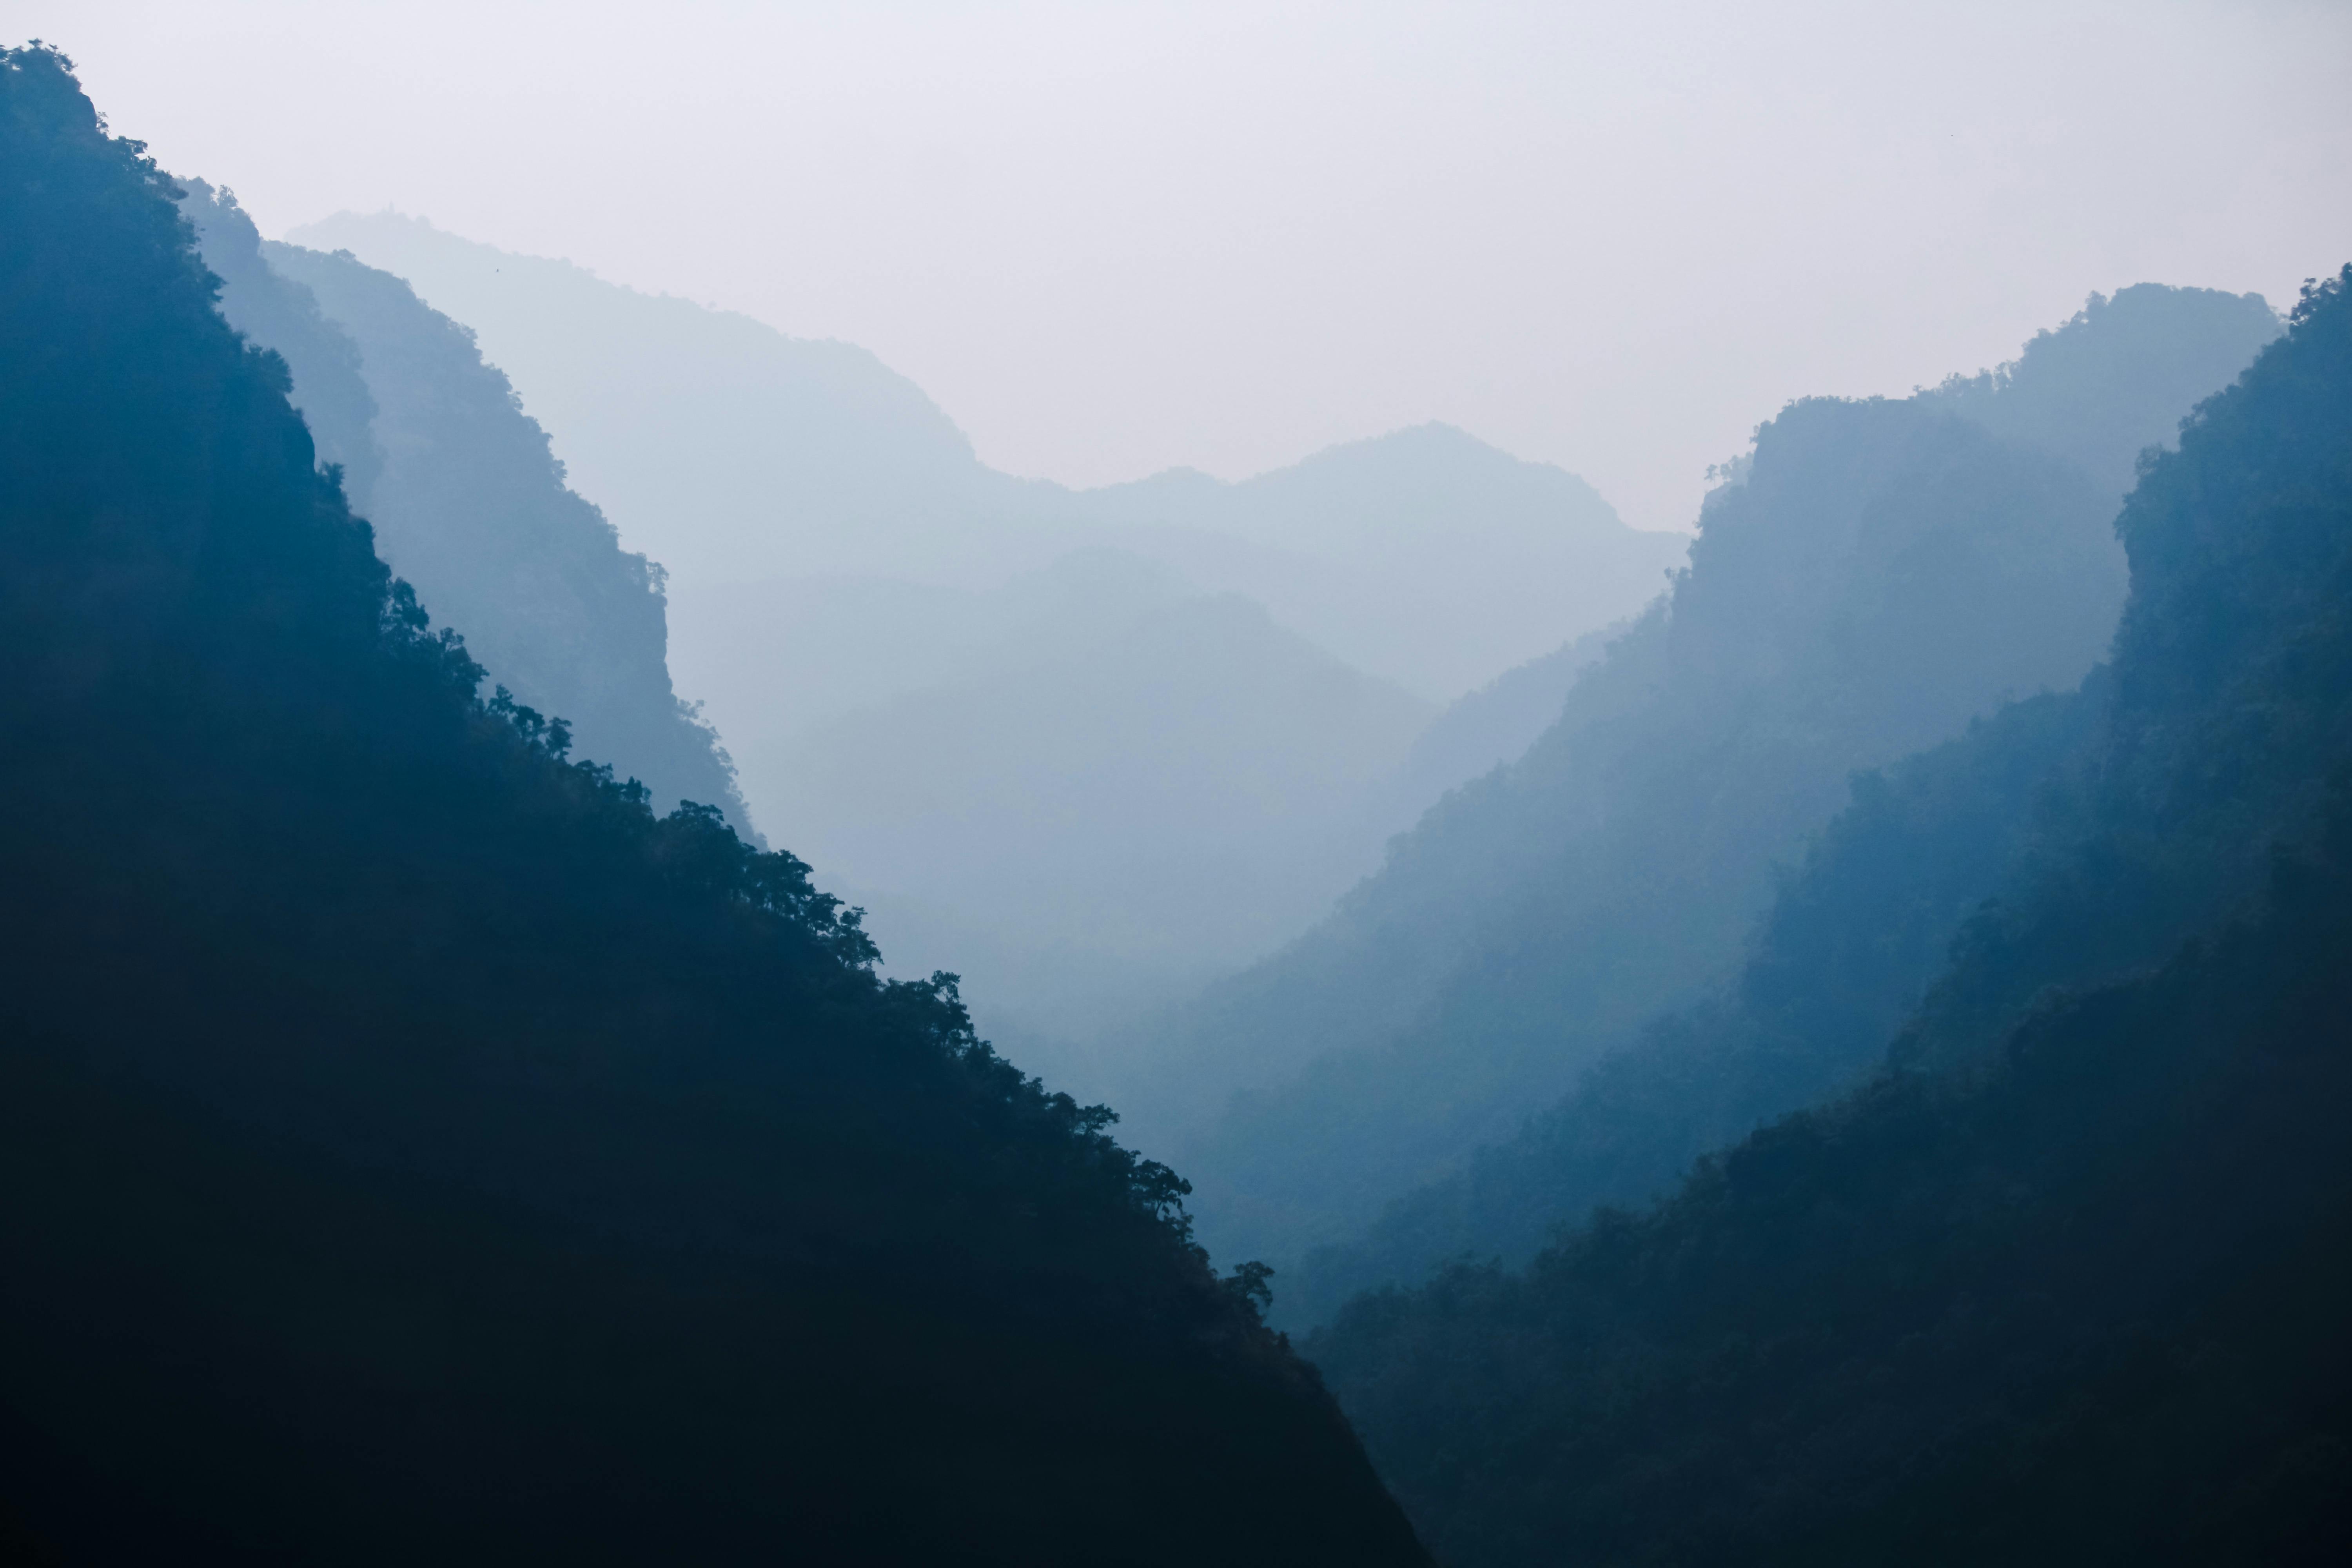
(1112, 238)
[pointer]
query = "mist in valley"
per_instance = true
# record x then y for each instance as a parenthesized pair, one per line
(1089, 749)
(1074, 786)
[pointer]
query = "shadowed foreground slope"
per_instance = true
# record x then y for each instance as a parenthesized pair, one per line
(2067, 1283)
(417, 1151)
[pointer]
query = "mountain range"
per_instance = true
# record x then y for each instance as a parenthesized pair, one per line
(841, 571)
(2062, 1278)
(1823, 1041)
(1874, 575)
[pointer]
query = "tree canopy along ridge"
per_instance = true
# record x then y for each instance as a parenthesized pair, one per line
(416, 1149)
(468, 503)
(2066, 1280)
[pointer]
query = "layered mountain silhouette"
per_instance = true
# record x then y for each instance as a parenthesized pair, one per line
(732, 453)
(468, 504)
(844, 573)
(1858, 931)
(1495, 724)
(418, 1149)
(1191, 783)
(1097, 786)
(1826, 1040)
(1425, 555)
(2065, 1280)
(1878, 574)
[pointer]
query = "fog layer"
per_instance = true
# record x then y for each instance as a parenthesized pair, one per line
(1086, 748)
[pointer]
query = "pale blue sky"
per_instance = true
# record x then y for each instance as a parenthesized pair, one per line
(1114, 238)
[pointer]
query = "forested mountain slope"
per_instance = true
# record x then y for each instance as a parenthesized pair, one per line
(2066, 1283)
(1879, 574)
(1854, 937)
(468, 504)
(841, 558)
(330, 387)
(1860, 930)
(2092, 389)
(417, 1151)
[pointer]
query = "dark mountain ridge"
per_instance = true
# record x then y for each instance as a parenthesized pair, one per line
(1854, 937)
(1858, 931)
(2065, 1281)
(418, 1149)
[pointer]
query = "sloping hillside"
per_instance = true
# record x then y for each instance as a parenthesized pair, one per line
(735, 454)
(468, 505)
(728, 451)
(1854, 937)
(1881, 573)
(417, 1149)
(2066, 1282)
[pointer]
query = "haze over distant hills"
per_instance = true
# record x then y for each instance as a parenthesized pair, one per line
(1877, 575)
(1095, 787)
(1186, 787)
(1425, 555)
(727, 451)
(849, 585)
(468, 503)
(732, 453)
(1409, 1017)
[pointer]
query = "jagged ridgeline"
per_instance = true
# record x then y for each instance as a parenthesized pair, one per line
(468, 503)
(1853, 940)
(2067, 1282)
(1858, 931)
(1877, 574)
(417, 1149)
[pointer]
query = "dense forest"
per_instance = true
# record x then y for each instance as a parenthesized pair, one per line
(2066, 1280)
(1844, 1058)
(1874, 575)
(1848, 949)
(468, 503)
(418, 1149)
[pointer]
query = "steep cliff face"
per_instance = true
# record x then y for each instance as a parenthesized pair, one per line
(468, 504)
